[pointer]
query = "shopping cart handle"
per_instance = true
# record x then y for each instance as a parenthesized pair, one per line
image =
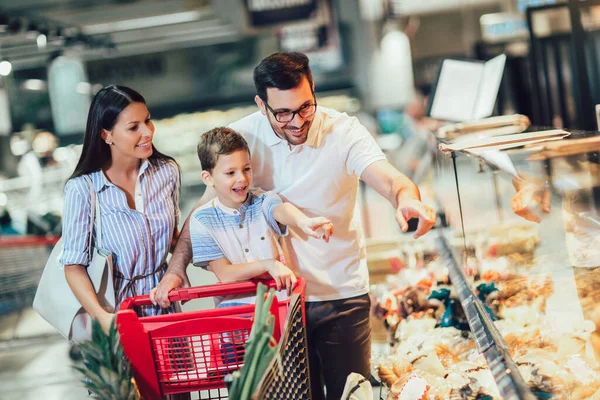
(218, 289)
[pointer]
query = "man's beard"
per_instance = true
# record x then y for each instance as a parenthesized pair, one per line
(284, 134)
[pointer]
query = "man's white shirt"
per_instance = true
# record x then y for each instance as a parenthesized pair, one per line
(321, 178)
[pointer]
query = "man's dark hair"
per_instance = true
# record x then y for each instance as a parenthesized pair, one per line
(216, 142)
(282, 71)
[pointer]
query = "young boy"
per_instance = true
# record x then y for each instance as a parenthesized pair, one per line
(236, 235)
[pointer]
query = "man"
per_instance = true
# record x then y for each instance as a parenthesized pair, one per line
(313, 157)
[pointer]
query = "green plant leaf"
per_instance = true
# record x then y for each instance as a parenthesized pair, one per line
(260, 349)
(106, 370)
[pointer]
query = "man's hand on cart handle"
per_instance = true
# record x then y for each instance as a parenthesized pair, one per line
(160, 294)
(412, 208)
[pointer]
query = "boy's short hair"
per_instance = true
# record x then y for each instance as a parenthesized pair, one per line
(216, 142)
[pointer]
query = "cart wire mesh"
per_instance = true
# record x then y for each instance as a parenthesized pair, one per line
(188, 361)
(193, 352)
(291, 380)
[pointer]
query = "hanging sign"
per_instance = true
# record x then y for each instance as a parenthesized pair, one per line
(271, 12)
(318, 38)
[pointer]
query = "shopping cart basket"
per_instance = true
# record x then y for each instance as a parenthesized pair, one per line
(22, 261)
(194, 351)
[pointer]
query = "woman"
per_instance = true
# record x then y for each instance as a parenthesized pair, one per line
(137, 188)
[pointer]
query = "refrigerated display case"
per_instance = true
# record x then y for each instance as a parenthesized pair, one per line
(551, 328)
(515, 313)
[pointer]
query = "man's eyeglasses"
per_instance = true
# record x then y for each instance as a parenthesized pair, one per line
(287, 116)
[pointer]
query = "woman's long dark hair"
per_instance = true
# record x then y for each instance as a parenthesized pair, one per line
(105, 109)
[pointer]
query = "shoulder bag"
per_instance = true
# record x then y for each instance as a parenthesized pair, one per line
(55, 301)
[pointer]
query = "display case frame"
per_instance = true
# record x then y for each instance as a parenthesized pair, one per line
(562, 179)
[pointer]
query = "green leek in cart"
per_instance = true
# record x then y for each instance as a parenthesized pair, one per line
(260, 349)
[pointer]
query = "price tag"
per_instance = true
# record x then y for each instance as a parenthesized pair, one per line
(270, 12)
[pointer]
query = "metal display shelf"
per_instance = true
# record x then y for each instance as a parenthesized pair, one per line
(489, 341)
(564, 67)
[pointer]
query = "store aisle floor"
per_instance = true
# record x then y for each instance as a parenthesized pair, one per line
(40, 368)
(41, 371)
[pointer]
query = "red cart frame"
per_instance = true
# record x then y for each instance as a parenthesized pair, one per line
(193, 351)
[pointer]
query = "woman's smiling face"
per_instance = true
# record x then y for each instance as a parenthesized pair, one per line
(132, 134)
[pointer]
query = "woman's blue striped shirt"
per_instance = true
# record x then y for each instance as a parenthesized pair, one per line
(139, 239)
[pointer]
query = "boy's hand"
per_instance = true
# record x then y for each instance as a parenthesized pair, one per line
(283, 276)
(319, 228)
(160, 294)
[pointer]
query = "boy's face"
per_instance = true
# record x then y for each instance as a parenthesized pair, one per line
(231, 178)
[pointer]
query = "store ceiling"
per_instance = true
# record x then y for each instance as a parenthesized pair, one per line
(126, 26)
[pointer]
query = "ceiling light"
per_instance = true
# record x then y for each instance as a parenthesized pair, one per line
(5, 68)
(42, 41)
(83, 88)
(35, 85)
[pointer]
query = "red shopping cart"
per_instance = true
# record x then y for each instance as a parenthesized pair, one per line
(194, 351)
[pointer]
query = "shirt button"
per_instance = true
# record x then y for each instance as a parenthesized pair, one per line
(262, 238)
(246, 250)
(235, 212)
(241, 226)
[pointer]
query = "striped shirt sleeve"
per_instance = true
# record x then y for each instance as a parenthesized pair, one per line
(76, 223)
(204, 246)
(270, 201)
(176, 194)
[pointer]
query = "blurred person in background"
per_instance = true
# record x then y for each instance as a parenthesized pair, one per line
(29, 165)
(137, 188)
(44, 145)
(313, 157)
